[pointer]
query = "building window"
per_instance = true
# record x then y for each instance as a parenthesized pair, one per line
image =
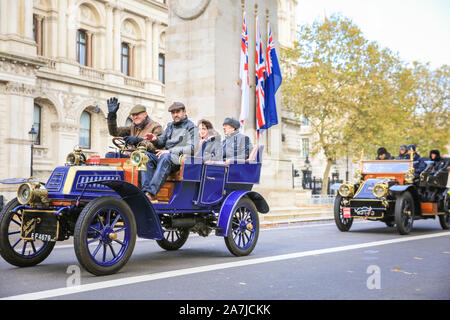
(305, 147)
(37, 123)
(82, 47)
(85, 130)
(125, 58)
(162, 68)
(305, 120)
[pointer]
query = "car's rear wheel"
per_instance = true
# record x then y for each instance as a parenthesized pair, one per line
(173, 239)
(105, 235)
(14, 249)
(404, 213)
(343, 224)
(243, 228)
(444, 220)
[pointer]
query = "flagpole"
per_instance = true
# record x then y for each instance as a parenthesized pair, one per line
(267, 39)
(256, 86)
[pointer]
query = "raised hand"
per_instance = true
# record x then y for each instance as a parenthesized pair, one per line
(113, 105)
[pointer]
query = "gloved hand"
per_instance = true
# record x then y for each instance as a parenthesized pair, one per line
(113, 106)
(130, 140)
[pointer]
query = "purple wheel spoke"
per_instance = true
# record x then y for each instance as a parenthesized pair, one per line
(24, 247)
(11, 233)
(115, 221)
(104, 253)
(119, 242)
(96, 250)
(16, 243)
(120, 230)
(96, 239)
(18, 223)
(112, 250)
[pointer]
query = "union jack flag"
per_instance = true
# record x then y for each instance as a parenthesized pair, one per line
(244, 75)
(260, 75)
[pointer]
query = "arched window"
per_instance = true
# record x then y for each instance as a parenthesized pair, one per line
(125, 58)
(85, 130)
(37, 123)
(82, 47)
(162, 68)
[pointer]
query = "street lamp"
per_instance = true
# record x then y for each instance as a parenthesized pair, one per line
(33, 135)
(306, 174)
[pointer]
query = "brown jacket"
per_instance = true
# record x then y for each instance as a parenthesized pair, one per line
(151, 127)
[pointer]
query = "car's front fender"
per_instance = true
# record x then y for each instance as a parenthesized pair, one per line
(230, 202)
(147, 221)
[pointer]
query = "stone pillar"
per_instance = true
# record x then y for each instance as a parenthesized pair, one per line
(131, 60)
(3, 16)
(13, 17)
(62, 30)
(39, 23)
(109, 39)
(28, 19)
(116, 40)
(155, 50)
(203, 53)
(89, 48)
(148, 74)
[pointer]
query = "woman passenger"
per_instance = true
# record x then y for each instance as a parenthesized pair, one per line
(210, 144)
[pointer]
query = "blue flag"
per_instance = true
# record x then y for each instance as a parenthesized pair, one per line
(272, 82)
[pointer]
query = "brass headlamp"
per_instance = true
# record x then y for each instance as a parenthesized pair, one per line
(139, 159)
(380, 190)
(32, 193)
(76, 157)
(346, 190)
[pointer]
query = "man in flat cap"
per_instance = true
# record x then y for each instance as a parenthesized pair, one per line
(134, 134)
(235, 145)
(180, 137)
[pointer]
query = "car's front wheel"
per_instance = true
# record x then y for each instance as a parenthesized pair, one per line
(343, 224)
(404, 213)
(14, 249)
(105, 235)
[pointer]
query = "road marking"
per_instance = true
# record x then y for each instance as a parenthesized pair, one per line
(184, 272)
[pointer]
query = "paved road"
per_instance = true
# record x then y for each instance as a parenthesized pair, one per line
(313, 261)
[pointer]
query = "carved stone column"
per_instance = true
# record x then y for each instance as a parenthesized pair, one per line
(116, 40)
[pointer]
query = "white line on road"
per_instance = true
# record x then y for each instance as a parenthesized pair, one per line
(183, 272)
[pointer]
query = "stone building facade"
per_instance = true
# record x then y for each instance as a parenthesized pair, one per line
(60, 60)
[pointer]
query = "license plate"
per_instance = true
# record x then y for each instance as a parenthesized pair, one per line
(347, 213)
(38, 225)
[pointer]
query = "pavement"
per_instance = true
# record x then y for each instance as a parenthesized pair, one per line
(279, 216)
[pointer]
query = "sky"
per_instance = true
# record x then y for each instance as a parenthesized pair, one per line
(418, 30)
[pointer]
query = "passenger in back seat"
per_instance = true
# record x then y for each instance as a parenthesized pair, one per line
(210, 144)
(236, 145)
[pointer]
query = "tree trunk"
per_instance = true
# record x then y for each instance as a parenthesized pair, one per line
(325, 177)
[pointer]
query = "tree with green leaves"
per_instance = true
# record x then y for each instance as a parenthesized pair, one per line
(357, 95)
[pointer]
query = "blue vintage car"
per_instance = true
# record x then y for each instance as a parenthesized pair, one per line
(392, 192)
(98, 202)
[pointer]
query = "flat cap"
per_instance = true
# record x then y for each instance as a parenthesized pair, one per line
(176, 106)
(138, 109)
(232, 122)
